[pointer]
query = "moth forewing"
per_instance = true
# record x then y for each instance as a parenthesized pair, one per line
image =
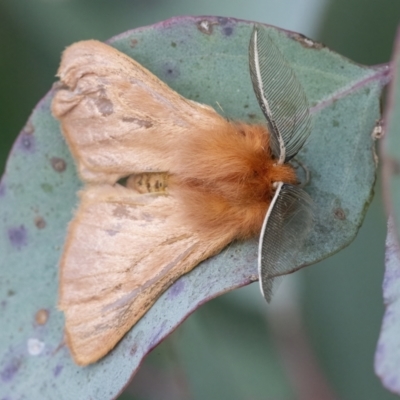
(280, 96)
(285, 229)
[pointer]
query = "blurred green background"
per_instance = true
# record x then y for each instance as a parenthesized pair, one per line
(317, 340)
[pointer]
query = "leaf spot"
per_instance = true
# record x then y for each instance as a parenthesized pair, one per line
(18, 236)
(223, 20)
(306, 42)
(176, 288)
(133, 349)
(340, 214)
(58, 164)
(41, 316)
(228, 30)
(9, 371)
(171, 70)
(26, 142)
(47, 188)
(156, 338)
(40, 222)
(57, 370)
(205, 26)
(29, 128)
(35, 346)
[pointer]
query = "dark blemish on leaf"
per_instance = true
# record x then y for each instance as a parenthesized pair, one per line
(335, 123)
(171, 70)
(246, 106)
(206, 26)
(2, 189)
(40, 223)
(111, 232)
(228, 30)
(138, 338)
(10, 293)
(133, 349)
(57, 370)
(340, 214)
(134, 42)
(176, 288)
(41, 316)
(47, 188)
(3, 303)
(58, 164)
(306, 42)
(173, 44)
(104, 104)
(18, 236)
(379, 130)
(251, 116)
(367, 91)
(156, 338)
(253, 278)
(29, 128)
(26, 142)
(9, 371)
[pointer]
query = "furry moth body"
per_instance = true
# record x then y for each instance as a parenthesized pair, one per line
(169, 183)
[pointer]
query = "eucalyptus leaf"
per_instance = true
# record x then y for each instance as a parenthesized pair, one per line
(391, 144)
(204, 59)
(387, 357)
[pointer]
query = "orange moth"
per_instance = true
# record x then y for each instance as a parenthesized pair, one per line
(169, 183)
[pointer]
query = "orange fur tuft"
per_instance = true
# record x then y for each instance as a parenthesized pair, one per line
(225, 179)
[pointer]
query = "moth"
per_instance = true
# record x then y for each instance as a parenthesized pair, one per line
(170, 183)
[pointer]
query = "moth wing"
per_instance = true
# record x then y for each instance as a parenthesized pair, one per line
(280, 96)
(117, 117)
(123, 250)
(284, 231)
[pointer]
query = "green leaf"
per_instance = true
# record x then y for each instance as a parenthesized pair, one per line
(204, 59)
(391, 144)
(387, 357)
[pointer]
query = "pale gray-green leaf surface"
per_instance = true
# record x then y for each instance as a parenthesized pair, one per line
(387, 356)
(204, 59)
